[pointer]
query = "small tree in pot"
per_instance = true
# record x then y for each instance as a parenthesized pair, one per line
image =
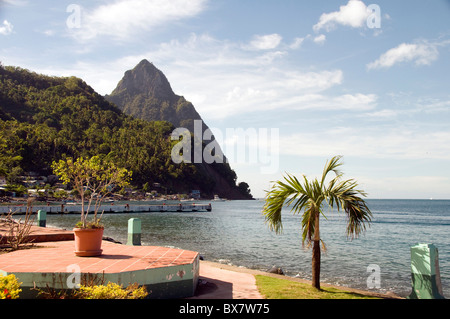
(94, 179)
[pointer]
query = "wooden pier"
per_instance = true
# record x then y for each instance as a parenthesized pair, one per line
(109, 208)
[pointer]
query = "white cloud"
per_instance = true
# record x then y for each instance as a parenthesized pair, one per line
(416, 187)
(353, 14)
(16, 2)
(222, 78)
(320, 102)
(423, 53)
(266, 42)
(297, 43)
(434, 105)
(364, 142)
(356, 101)
(246, 81)
(6, 28)
(382, 114)
(123, 18)
(310, 82)
(49, 33)
(320, 39)
(208, 52)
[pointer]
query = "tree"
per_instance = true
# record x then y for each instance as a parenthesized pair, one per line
(244, 189)
(91, 176)
(309, 198)
(8, 157)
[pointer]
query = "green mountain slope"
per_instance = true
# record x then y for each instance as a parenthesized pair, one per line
(44, 118)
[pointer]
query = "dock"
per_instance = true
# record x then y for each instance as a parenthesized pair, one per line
(109, 208)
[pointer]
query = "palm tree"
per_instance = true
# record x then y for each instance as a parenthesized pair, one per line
(309, 198)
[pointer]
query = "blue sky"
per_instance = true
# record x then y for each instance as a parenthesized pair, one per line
(333, 77)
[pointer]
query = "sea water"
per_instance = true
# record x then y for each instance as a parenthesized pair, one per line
(235, 232)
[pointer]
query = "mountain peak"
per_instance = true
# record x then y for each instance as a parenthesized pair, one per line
(144, 92)
(147, 80)
(144, 62)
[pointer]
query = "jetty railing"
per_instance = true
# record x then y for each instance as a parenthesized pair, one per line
(109, 208)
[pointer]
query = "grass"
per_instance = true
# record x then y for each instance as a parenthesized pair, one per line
(276, 288)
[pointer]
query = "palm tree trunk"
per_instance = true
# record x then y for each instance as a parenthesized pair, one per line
(316, 254)
(316, 265)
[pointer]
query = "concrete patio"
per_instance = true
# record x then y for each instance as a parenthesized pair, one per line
(166, 272)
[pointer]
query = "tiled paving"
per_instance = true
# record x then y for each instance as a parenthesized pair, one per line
(169, 272)
(57, 256)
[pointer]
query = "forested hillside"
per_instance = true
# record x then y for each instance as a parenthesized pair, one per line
(43, 119)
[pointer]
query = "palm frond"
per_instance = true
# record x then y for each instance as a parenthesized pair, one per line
(275, 200)
(290, 193)
(331, 166)
(308, 225)
(306, 197)
(347, 198)
(358, 216)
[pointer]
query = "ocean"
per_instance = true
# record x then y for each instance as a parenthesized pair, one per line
(234, 232)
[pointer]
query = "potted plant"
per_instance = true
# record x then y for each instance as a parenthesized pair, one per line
(93, 178)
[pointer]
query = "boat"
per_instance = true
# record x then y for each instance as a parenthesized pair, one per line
(218, 199)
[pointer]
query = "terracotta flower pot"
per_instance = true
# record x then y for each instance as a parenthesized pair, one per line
(88, 242)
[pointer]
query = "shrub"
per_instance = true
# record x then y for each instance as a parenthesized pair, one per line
(9, 287)
(112, 291)
(18, 231)
(91, 290)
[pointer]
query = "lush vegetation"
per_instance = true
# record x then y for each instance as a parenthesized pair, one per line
(276, 288)
(45, 119)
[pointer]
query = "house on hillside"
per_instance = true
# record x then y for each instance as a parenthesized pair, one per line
(195, 194)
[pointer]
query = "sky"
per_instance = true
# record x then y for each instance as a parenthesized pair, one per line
(292, 82)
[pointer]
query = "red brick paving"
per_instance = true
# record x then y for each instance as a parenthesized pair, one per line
(57, 256)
